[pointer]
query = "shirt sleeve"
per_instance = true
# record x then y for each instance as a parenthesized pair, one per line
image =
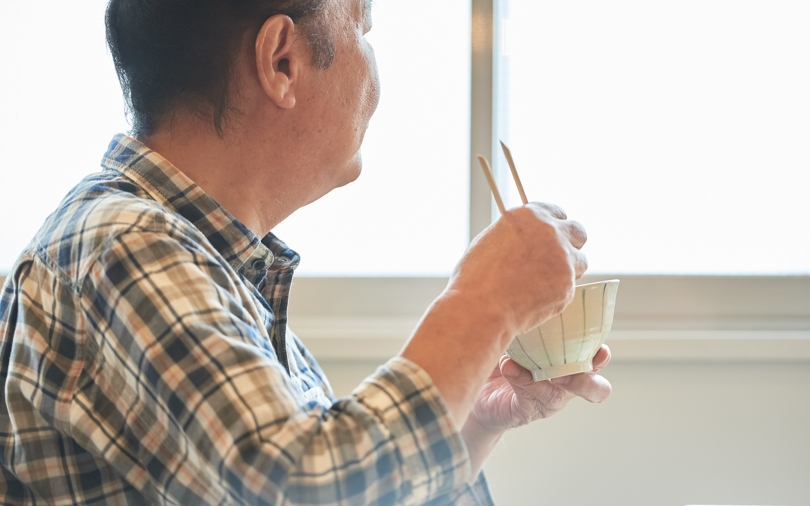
(475, 494)
(184, 397)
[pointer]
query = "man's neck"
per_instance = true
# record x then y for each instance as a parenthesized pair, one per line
(237, 172)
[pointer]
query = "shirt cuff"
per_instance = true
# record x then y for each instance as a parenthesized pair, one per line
(431, 451)
(481, 491)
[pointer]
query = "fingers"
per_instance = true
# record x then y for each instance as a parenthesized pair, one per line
(591, 387)
(550, 397)
(577, 237)
(574, 229)
(602, 358)
(514, 373)
(580, 262)
(576, 233)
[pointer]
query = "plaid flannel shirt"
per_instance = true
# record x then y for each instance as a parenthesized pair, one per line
(146, 359)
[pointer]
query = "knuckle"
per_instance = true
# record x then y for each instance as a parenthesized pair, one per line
(578, 230)
(582, 260)
(558, 212)
(552, 209)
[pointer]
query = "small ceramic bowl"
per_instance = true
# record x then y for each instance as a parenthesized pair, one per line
(567, 343)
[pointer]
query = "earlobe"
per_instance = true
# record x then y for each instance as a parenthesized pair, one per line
(276, 61)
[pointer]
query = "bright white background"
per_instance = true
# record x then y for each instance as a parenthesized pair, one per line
(406, 215)
(61, 105)
(676, 131)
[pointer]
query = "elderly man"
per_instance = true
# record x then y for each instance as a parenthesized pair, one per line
(146, 355)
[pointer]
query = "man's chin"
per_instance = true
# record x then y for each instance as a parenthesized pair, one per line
(352, 172)
(352, 178)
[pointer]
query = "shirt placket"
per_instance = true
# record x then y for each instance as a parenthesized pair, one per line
(277, 294)
(260, 271)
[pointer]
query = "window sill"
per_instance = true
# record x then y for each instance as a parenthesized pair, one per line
(658, 318)
(375, 338)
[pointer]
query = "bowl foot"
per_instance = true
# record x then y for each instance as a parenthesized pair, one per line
(557, 371)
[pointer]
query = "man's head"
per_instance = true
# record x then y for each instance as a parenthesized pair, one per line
(263, 103)
(182, 53)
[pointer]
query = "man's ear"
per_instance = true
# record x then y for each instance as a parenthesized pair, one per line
(277, 60)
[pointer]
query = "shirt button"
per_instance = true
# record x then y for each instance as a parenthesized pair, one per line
(258, 264)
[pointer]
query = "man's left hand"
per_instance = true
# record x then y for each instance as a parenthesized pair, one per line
(510, 398)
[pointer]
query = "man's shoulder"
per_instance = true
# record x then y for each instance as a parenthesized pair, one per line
(96, 212)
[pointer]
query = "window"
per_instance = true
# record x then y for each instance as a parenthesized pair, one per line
(677, 131)
(692, 116)
(59, 95)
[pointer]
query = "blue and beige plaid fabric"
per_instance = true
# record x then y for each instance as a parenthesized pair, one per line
(146, 359)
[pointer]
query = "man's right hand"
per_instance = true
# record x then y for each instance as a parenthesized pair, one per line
(516, 274)
(524, 266)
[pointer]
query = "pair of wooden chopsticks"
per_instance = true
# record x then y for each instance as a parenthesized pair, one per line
(491, 179)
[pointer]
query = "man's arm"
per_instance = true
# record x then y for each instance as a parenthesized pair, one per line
(186, 398)
(518, 273)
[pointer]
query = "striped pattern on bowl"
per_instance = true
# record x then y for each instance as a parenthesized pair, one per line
(567, 343)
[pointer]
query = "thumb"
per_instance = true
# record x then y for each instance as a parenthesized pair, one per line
(514, 373)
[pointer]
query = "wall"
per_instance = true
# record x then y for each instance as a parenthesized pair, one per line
(671, 434)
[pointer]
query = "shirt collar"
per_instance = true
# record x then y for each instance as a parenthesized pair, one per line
(165, 183)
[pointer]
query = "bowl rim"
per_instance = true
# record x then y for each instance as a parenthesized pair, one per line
(606, 282)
